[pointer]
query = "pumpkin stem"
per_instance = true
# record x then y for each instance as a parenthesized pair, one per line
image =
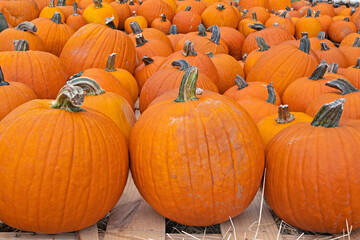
(284, 115)
(304, 34)
(324, 46)
(202, 30)
(75, 12)
(187, 9)
(244, 57)
(135, 27)
(341, 84)
(76, 75)
(287, 8)
(26, 27)
(210, 54)
(283, 15)
(69, 99)
(333, 68)
(220, 7)
(257, 26)
(353, 10)
(188, 49)
(97, 3)
(308, 13)
(52, 3)
(131, 3)
(163, 17)
(3, 23)
(21, 45)
(173, 30)
(90, 86)
(109, 22)
(262, 44)
(140, 40)
(121, 1)
(357, 42)
(187, 91)
(240, 82)
(147, 60)
(110, 64)
(319, 72)
(254, 17)
(329, 114)
(271, 92)
(305, 44)
(321, 36)
(61, 3)
(317, 14)
(357, 65)
(2, 80)
(347, 19)
(56, 18)
(215, 34)
(134, 14)
(244, 13)
(181, 63)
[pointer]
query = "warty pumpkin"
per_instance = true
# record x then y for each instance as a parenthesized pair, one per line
(220, 14)
(98, 12)
(76, 20)
(147, 68)
(301, 159)
(62, 156)
(187, 132)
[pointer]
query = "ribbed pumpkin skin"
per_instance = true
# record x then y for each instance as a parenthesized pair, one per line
(91, 46)
(351, 53)
(333, 55)
(143, 72)
(234, 40)
(128, 81)
(152, 48)
(13, 95)
(349, 39)
(153, 33)
(277, 5)
(282, 65)
(152, 9)
(18, 11)
(257, 108)
(92, 14)
(178, 167)
(41, 71)
(10, 34)
(301, 160)
(352, 75)
(65, 173)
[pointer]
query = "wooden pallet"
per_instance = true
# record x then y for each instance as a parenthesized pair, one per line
(133, 219)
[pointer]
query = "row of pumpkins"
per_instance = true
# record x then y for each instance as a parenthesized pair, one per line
(219, 104)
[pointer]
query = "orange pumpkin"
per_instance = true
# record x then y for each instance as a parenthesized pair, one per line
(308, 24)
(234, 40)
(76, 20)
(196, 6)
(66, 9)
(244, 25)
(282, 21)
(349, 39)
(18, 11)
(186, 20)
(339, 29)
(152, 9)
(332, 55)
(353, 74)
(98, 12)
(174, 36)
(123, 11)
(220, 14)
(315, 42)
(247, 4)
(351, 52)
(276, 5)
(161, 24)
(325, 21)
(254, 55)
(146, 69)
(49, 11)
(261, 13)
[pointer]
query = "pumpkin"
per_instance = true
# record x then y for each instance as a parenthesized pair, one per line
(191, 36)
(98, 12)
(299, 4)
(244, 89)
(167, 79)
(325, 21)
(140, 20)
(91, 46)
(244, 25)
(43, 72)
(3, 23)
(254, 55)
(321, 148)
(66, 9)
(18, 11)
(77, 154)
(353, 74)
(161, 24)
(349, 39)
(283, 119)
(85, 3)
(261, 13)
(26, 31)
(347, 91)
(277, 5)
(291, 13)
(283, 64)
(234, 40)
(339, 29)
(355, 18)
(220, 14)
(324, 8)
(228, 68)
(315, 42)
(176, 124)
(76, 20)
(151, 9)
(53, 32)
(307, 89)
(282, 21)
(186, 20)
(146, 69)
(49, 11)
(351, 52)
(13, 94)
(123, 11)
(174, 36)
(308, 24)
(332, 55)
(134, 7)
(196, 6)
(110, 104)
(247, 4)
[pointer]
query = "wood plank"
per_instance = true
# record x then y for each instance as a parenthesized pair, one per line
(267, 230)
(89, 233)
(133, 218)
(178, 236)
(33, 236)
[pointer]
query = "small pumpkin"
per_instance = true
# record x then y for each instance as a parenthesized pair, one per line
(262, 13)
(146, 69)
(244, 25)
(332, 55)
(186, 20)
(325, 21)
(123, 11)
(339, 29)
(152, 9)
(140, 20)
(353, 74)
(98, 11)
(49, 11)
(282, 21)
(308, 24)
(161, 24)
(351, 52)
(76, 20)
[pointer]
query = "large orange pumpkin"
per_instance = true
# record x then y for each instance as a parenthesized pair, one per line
(220, 14)
(146, 69)
(308, 24)
(234, 40)
(353, 74)
(351, 52)
(181, 147)
(62, 156)
(152, 9)
(97, 12)
(299, 162)
(18, 11)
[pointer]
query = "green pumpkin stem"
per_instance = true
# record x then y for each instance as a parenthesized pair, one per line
(135, 27)
(51, 3)
(321, 36)
(147, 60)
(75, 11)
(69, 99)
(188, 49)
(89, 85)
(319, 72)
(283, 14)
(181, 63)
(3, 23)
(220, 7)
(140, 40)
(173, 30)
(333, 68)
(2, 79)
(305, 44)
(187, 91)
(163, 17)
(308, 13)
(76, 75)
(254, 17)
(56, 18)
(97, 3)
(262, 44)
(110, 64)
(240, 82)
(187, 9)
(329, 114)
(215, 34)
(61, 3)
(202, 30)
(357, 42)
(357, 65)
(341, 84)
(21, 45)
(284, 115)
(257, 26)
(287, 8)
(317, 14)
(271, 92)
(26, 27)
(324, 46)
(109, 22)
